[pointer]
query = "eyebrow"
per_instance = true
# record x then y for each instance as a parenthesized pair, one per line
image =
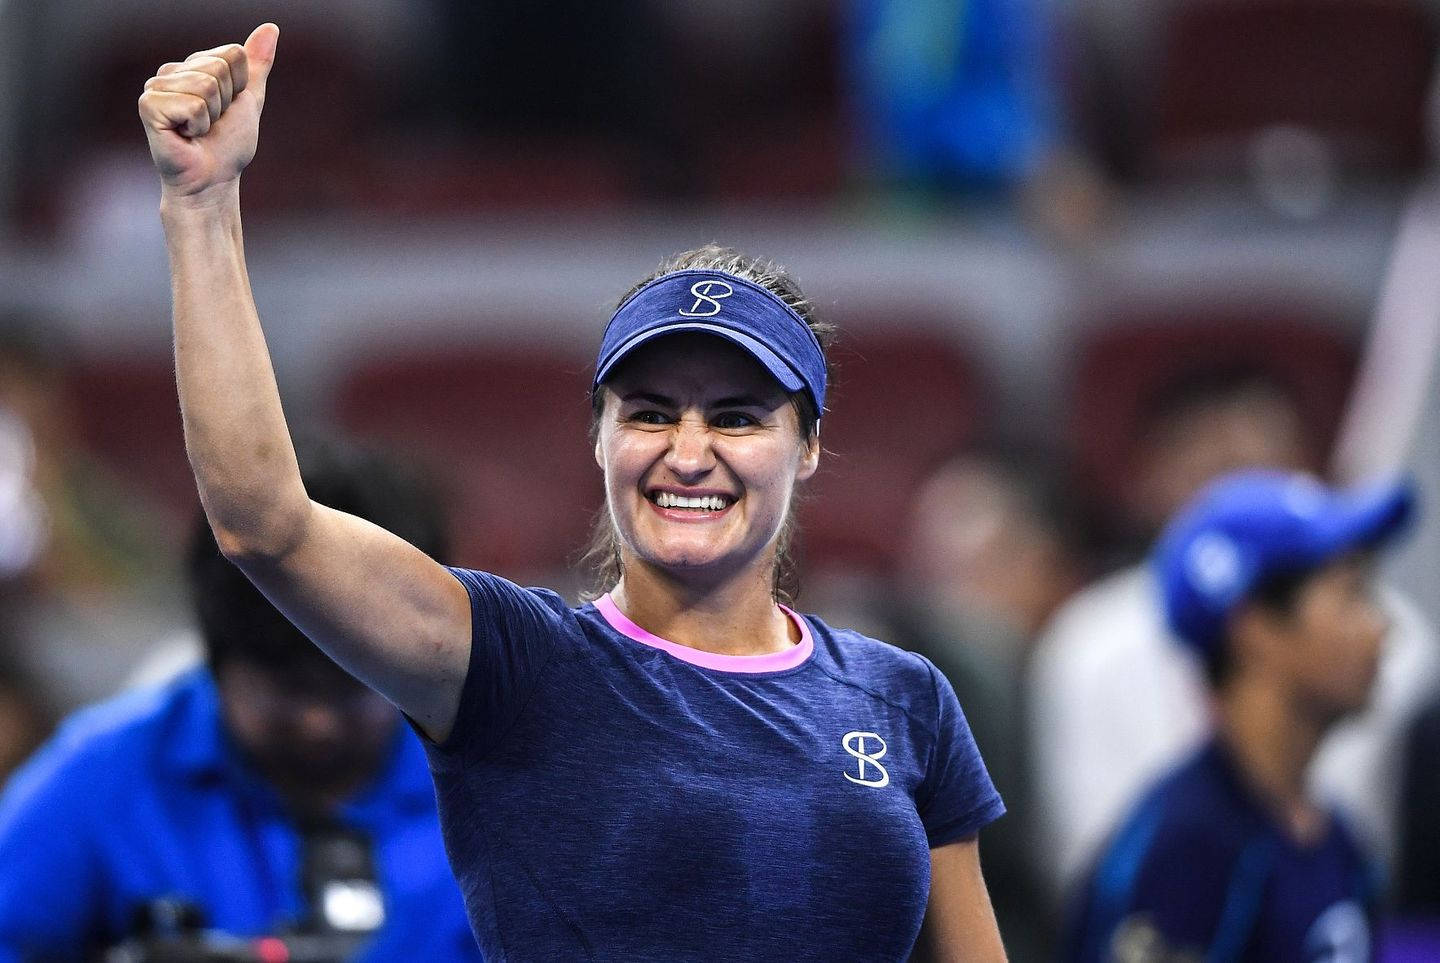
(742, 401)
(733, 401)
(649, 397)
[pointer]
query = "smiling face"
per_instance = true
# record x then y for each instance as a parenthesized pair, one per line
(701, 450)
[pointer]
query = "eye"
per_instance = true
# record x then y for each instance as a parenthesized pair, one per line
(733, 421)
(649, 416)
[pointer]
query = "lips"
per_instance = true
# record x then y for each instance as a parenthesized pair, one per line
(709, 503)
(697, 504)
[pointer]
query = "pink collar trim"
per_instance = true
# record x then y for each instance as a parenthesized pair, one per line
(770, 662)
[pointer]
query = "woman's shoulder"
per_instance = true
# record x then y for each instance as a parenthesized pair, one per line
(487, 588)
(536, 620)
(868, 662)
(858, 645)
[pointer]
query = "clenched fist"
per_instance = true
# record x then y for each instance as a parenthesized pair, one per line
(202, 116)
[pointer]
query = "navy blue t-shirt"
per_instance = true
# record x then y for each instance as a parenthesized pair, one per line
(606, 794)
(1200, 868)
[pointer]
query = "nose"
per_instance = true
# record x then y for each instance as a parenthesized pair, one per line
(690, 456)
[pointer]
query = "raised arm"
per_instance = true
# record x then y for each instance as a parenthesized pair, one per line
(377, 605)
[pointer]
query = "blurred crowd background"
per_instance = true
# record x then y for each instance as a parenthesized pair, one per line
(1085, 255)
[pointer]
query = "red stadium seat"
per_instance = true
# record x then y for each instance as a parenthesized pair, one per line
(1136, 353)
(504, 431)
(1354, 72)
(902, 399)
(478, 174)
(798, 161)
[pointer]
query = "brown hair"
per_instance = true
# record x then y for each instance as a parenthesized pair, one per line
(602, 554)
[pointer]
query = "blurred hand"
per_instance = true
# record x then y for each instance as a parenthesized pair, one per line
(202, 116)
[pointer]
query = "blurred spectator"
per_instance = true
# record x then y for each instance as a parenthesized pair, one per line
(1166, 391)
(89, 585)
(962, 95)
(1268, 579)
(989, 539)
(1206, 423)
(953, 92)
(986, 559)
(1113, 701)
(236, 789)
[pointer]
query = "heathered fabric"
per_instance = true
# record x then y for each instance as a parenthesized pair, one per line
(603, 798)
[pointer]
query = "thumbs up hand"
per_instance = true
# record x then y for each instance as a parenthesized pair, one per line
(202, 115)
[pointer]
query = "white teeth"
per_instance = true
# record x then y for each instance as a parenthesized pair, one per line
(711, 503)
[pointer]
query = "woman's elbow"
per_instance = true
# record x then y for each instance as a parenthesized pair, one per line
(260, 539)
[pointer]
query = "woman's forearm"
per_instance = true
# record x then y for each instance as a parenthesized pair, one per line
(235, 432)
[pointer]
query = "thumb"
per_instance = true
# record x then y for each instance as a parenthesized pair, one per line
(260, 55)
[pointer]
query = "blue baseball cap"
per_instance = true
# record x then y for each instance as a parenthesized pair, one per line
(1254, 524)
(736, 309)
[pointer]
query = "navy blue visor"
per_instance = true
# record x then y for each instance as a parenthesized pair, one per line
(713, 302)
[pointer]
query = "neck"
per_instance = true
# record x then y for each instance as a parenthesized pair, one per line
(737, 616)
(1272, 742)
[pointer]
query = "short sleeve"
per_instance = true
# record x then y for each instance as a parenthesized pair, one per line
(515, 634)
(956, 798)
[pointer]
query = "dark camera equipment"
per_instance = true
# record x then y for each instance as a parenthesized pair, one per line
(345, 907)
(338, 876)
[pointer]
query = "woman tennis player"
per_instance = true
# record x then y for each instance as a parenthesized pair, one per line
(682, 769)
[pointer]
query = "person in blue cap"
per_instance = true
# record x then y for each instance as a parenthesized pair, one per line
(682, 769)
(1270, 577)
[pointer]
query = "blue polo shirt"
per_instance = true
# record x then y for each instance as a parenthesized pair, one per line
(607, 794)
(1200, 870)
(144, 797)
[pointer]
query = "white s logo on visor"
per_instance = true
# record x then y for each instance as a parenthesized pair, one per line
(707, 293)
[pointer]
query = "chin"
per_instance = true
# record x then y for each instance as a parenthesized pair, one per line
(705, 554)
(679, 552)
(685, 563)
(704, 562)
